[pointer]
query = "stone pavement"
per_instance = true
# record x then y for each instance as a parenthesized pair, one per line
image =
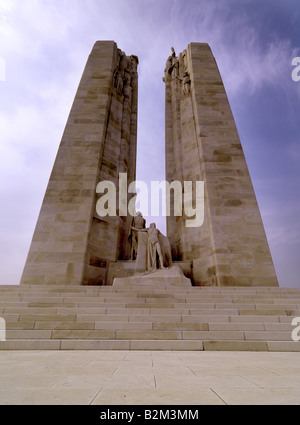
(149, 377)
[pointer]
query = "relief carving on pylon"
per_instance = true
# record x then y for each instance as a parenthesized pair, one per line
(125, 68)
(177, 69)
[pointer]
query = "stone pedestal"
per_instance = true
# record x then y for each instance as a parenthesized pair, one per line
(172, 276)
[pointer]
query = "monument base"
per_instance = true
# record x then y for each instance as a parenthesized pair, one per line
(152, 317)
(128, 268)
(172, 276)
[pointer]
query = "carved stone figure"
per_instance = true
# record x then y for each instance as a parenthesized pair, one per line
(172, 65)
(134, 63)
(138, 223)
(184, 58)
(154, 258)
(154, 249)
(127, 85)
(186, 83)
(127, 66)
(118, 82)
(123, 63)
(175, 64)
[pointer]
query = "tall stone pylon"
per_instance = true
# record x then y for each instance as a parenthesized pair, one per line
(71, 243)
(202, 144)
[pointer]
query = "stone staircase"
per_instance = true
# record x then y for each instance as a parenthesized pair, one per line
(148, 318)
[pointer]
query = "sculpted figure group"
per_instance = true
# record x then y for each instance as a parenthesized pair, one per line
(122, 76)
(155, 257)
(174, 70)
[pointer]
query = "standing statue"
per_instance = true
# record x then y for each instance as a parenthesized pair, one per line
(153, 249)
(172, 65)
(154, 252)
(186, 83)
(175, 64)
(127, 85)
(134, 63)
(118, 82)
(138, 223)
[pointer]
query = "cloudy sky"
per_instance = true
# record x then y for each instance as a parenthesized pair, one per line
(44, 45)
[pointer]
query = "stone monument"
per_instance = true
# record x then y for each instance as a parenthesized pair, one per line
(202, 144)
(74, 245)
(149, 302)
(71, 243)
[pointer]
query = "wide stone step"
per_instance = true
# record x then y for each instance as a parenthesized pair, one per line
(147, 334)
(149, 325)
(170, 299)
(197, 296)
(151, 310)
(96, 289)
(168, 345)
(239, 314)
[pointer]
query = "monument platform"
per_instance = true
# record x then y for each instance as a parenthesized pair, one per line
(171, 276)
(149, 378)
(154, 317)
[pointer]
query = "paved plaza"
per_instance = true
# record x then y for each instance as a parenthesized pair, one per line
(149, 377)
